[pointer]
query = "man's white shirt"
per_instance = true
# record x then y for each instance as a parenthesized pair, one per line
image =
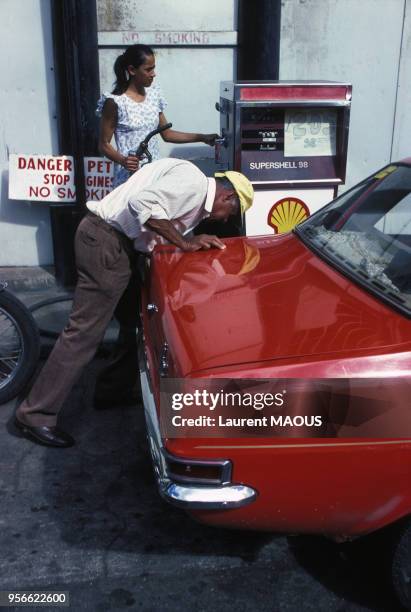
(172, 189)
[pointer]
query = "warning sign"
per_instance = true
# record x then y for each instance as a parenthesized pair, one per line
(98, 174)
(41, 178)
(47, 178)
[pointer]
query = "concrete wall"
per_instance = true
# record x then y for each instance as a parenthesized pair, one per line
(368, 44)
(27, 124)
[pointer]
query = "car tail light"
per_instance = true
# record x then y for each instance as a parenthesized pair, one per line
(197, 471)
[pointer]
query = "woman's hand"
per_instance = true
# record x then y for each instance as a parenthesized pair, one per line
(131, 163)
(209, 139)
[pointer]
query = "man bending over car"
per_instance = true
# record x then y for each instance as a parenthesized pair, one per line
(160, 203)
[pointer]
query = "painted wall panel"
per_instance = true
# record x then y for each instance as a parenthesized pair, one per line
(166, 15)
(27, 124)
(352, 41)
(402, 126)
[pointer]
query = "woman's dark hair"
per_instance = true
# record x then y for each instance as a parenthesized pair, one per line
(135, 56)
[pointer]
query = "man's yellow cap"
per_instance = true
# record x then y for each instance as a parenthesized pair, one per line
(242, 186)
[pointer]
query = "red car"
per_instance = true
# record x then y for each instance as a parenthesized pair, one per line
(323, 311)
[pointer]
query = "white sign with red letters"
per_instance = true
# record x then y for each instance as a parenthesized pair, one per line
(98, 176)
(48, 178)
(41, 178)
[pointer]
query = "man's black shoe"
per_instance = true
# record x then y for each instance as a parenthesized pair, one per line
(50, 436)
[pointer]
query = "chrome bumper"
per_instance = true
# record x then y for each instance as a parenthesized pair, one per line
(187, 495)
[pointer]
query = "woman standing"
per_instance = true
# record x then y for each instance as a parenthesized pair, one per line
(132, 110)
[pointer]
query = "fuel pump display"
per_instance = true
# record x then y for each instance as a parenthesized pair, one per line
(290, 139)
(284, 139)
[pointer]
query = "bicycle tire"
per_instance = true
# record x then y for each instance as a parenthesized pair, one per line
(19, 346)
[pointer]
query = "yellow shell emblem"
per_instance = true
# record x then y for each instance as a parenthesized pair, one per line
(286, 214)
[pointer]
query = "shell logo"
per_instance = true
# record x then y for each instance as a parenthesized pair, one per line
(285, 214)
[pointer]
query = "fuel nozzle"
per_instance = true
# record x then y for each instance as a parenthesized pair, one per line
(142, 150)
(219, 144)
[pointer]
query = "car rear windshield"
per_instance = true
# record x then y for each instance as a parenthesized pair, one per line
(366, 233)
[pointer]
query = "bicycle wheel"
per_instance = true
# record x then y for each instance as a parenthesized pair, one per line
(19, 346)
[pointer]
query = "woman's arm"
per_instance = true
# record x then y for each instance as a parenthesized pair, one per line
(184, 137)
(108, 125)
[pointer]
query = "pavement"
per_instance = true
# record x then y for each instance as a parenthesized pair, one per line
(29, 278)
(88, 520)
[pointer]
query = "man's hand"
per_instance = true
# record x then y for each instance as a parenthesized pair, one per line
(165, 228)
(203, 242)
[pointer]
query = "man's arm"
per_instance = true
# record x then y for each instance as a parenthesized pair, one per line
(166, 229)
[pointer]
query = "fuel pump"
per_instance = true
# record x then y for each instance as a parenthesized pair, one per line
(290, 139)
